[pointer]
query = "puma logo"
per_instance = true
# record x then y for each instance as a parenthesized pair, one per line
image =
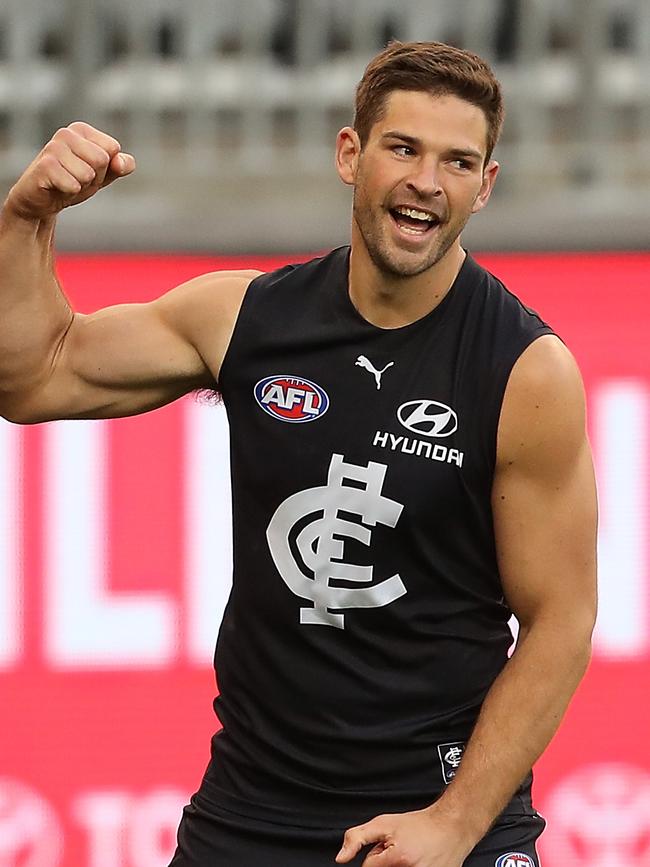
(364, 362)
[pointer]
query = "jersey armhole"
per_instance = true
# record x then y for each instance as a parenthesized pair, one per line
(228, 353)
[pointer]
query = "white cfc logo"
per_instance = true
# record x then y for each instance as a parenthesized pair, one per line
(454, 756)
(320, 543)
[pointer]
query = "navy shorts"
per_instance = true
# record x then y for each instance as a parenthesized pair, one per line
(222, 839)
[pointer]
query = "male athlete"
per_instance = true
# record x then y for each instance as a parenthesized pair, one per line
(410, 467)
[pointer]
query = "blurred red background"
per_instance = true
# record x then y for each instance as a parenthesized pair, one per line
(114, 568)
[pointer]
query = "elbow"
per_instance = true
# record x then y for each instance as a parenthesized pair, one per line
(590, 616)
(579, 643)
(582, 652)
(16, 417)
(10, 412)
(575, 645)
(579, 635)
(18, 411)
(566, 634)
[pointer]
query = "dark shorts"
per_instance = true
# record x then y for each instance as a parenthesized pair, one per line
(208, 839)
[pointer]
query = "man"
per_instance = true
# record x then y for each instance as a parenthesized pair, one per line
(410, 466)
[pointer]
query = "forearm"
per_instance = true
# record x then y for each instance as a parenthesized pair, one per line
(519, 716)
(34, 313)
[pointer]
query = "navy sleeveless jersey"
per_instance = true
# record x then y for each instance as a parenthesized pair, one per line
(366, 620)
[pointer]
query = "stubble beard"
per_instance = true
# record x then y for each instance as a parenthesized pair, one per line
(400, 263)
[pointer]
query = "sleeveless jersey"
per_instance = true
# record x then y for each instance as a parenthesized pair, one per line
(367, 619)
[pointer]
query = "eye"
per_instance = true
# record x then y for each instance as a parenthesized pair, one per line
(462, 164)
(403, 150)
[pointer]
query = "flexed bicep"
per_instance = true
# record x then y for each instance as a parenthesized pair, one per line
(131, 358)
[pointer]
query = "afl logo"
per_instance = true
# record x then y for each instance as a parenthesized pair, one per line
(428, 418)
(515, 859)
(291, 398)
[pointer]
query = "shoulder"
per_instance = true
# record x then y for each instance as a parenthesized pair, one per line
(503, 324)
(308, 272)
(543, 413)
(506, 301)
(203, 311)
(214, 292)
(221, 282)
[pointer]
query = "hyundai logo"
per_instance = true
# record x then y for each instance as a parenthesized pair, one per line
(428, 418)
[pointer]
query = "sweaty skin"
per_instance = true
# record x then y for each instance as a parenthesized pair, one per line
(425, 156)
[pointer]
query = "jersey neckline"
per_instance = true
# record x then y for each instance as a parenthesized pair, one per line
(462, 282)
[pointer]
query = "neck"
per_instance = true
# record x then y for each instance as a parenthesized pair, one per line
(391, 301)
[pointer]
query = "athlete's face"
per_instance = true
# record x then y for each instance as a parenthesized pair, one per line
(426, 156)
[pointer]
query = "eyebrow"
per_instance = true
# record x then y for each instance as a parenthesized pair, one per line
(412, 140)
(466, 152)
(409, 139)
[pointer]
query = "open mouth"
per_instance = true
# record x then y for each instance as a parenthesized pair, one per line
(414, 221)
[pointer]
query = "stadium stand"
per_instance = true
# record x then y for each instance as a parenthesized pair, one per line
(247, 96)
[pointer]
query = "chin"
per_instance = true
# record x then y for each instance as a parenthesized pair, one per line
(404, 269)
(401, 264)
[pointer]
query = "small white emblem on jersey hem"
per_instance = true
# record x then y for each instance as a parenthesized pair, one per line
(450, 756)
(366, 364)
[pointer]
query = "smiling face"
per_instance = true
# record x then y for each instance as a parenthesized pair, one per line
(417, 180)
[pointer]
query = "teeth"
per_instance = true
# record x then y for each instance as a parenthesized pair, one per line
(416, 215)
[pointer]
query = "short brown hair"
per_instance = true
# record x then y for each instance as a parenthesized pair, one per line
(432, 67)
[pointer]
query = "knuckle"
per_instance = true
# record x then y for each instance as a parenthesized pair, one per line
(64, 134)
(94, 135)
(87, 175)
(101, 160)
(49, 160)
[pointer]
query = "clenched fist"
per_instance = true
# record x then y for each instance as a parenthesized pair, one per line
(73, 165)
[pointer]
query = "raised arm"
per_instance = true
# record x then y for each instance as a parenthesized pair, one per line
(544, 505)
(55, 363)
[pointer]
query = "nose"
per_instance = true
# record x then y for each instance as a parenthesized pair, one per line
(424, 180)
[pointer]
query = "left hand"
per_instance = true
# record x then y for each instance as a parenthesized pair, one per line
(422, 838)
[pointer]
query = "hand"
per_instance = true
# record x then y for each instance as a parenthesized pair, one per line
(73, 165)
(419, 839)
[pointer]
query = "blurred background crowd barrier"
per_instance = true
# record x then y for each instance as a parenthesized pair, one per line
(232, 106)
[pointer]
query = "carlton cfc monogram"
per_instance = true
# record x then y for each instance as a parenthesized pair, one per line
(320, 547)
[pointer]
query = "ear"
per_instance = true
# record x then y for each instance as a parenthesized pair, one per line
(348, 149)
(490, 173)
